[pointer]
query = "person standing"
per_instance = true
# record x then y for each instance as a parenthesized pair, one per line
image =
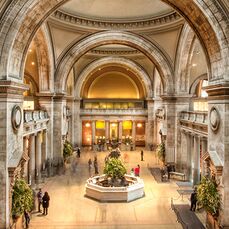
(27, 218)
(45, 203)
(39, 199)
(193, 200)
(78, 152)
(96, 166)
(142, 155)
(137, 171)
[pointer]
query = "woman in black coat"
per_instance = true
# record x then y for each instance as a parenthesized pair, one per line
(45, 203)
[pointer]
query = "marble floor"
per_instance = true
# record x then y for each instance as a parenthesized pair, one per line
(69, 208)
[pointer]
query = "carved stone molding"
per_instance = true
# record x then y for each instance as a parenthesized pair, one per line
(214, 119)
(157, 21)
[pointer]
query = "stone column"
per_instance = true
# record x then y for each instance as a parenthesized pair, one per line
(134, 133)
(188, 150)
(218, 139)
(44, 148)
(204, 147)
(58, 125)
(107, 134)
(196, 160)
(46, 101)
(25, 152)
(120, 130)
(11, 141)
(93, 134)
(31, 172)
(38, 157)
(149, 127)
(77, 124)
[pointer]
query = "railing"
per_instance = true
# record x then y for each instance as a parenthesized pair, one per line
(194, 121)
(113, 112)
(34, 115)
(194, 117)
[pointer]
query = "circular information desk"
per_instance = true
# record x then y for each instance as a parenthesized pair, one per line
(134, 190)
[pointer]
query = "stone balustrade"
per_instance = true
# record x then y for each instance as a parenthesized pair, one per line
(34, 121)
(194, 120)
(84, 112)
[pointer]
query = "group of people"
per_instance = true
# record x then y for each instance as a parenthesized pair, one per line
(95, 163)
(43, 200)
(135, 171)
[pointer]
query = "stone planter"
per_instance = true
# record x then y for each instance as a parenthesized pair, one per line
(211, 222)
(128, 193)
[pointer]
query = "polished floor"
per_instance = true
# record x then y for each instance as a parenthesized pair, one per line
(69, 208)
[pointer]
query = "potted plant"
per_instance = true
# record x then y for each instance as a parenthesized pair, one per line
(115, 170)
(161, 152)
(22, 198)
(68, 150)
(209, 198)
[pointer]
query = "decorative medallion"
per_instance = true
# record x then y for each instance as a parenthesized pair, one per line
(214, 119)
(16, 117)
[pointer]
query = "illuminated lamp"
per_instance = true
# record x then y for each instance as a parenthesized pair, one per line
(87, 124)
(113, 124)
(139, 125)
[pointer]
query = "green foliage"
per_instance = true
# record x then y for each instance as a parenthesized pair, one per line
(208, 196)
(161, 151)
(68, 149)
(114, 168)
(22, 199)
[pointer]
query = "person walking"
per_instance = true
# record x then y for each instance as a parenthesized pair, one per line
(96, 166)
(137, 171)
(78, 152)
(193, 199)
(27, 218)
(39, 199)
(142, 155)
(45, 203)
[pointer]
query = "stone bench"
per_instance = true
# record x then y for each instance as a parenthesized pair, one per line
(176, 174)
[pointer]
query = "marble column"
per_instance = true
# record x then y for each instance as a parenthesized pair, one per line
(188, 150)
(120, 130)
(46, 101)
(59, 103)
(93, 134)
(31, 169)
(77, 124)
(107, 135)
(196, 160)
(133, 133)
(204, 149)
(38, 157)
(44, 148)
(149, 127)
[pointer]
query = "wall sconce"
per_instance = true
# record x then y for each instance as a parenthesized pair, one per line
(87, 124)
(139, 125)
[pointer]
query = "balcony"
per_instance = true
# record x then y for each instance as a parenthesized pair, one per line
(34, 121)
(194, 121)
(113, 112)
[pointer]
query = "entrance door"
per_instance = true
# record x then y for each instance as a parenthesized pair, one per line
(114, 130)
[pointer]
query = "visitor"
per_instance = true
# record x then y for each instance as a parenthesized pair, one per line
(89, 164)
(27, 219)
(39, 199)
(96, 166)
(45, 203)
(78, 152)
(142, 155)
(137, 171)
(193, 199)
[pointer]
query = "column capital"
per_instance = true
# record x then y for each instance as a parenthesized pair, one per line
(219, 91)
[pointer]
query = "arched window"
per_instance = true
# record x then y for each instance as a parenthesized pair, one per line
(200, 103)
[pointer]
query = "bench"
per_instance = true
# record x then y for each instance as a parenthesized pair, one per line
(176, 174)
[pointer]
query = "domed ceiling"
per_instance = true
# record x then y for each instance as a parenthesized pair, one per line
(116, 10)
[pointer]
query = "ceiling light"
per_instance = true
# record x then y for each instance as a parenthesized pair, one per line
(194, 65)
(33, 63)
(30, 50)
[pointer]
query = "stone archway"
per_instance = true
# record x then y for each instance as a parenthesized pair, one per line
(19, 26)
(115, 37)
(114, 61)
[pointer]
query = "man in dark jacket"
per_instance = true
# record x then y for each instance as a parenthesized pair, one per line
(45, 203)
(193, 200)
